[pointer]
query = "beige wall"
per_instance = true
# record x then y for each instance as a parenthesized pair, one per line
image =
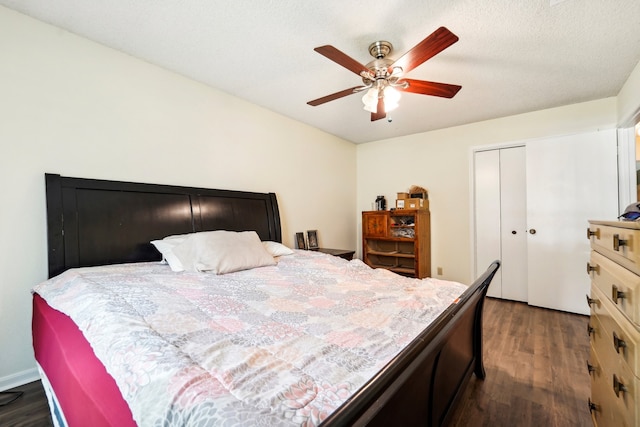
(73, 107)
(440, 162)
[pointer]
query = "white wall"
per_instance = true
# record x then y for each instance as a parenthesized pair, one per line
(440, 162)
(74, 107)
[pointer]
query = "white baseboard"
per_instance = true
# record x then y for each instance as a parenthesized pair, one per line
(18, 379)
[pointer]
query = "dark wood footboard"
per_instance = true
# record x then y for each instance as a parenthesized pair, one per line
(421, 386)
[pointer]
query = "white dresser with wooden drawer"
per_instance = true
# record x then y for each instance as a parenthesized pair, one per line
(614, 326)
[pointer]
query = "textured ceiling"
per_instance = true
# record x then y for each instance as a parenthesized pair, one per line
(512, 56)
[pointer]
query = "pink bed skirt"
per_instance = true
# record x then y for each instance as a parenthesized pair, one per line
(87, 394)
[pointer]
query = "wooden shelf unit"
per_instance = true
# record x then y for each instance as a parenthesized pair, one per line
(399, 241)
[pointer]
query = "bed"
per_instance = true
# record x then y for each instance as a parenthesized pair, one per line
(101, 229)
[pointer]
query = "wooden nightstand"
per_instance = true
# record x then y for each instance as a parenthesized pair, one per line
(342, 253)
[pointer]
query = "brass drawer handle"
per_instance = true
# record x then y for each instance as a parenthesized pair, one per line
(617, 242)
(618, 386)
(592, 406)
(590, 329)
(591, 301)
(618, 342)
(616, 294)
(591, 268)
(590, 368)
(593, 233)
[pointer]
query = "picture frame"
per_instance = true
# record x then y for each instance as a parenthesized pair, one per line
(300, 241)
(312, 238)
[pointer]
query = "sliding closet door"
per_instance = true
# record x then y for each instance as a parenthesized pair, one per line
(513, 212)
(500, 219)
(487, 215)
(569, 180)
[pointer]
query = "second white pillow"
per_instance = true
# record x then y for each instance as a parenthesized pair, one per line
(222, 252)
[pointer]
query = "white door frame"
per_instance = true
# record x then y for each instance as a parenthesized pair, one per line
(627, 181)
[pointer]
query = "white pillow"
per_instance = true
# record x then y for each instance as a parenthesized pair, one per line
(165, 247)
(277, 249)
(222, 252)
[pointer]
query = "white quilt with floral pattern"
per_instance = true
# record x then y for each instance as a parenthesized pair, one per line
(281, 345)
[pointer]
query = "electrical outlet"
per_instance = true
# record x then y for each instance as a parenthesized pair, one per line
(439, 271)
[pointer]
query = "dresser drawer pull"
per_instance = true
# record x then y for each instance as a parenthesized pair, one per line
(618, 386)
(591, 301)
(593, 407)
(591, 268)
(617, 242)
(590, 329)
(593, 233)
(590, 368)
(616, 294)
(618, 342)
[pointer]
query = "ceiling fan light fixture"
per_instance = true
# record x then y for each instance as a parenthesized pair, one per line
(370, 100)
(391, 98)
(390, 95)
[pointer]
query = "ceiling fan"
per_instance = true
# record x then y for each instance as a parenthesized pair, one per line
(383, 77)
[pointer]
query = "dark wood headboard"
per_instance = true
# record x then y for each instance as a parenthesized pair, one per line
(97, 222)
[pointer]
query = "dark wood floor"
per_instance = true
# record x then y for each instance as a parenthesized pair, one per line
(536, 367)
(30, 410)
(536, 374)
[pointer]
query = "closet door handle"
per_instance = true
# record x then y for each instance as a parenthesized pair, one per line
(617, 242)
(532, 231)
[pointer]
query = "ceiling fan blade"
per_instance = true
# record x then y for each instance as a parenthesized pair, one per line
(380, 114)
(333, 96)
(341, 58)
(435, 43)
(424, 87)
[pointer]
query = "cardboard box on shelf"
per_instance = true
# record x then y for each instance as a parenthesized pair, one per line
(403, 195)
(418, 196)
(412, 204)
